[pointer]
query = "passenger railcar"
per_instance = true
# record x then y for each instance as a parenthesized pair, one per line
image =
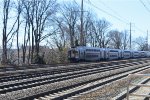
(114, 54)
(135, 54)
(82, 53)
(126, 54)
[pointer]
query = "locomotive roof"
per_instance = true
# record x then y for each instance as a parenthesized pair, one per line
(85, 47)
(89, 47)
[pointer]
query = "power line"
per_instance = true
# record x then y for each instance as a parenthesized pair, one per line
(112, 10)
(121, 16)
(144, 6)
(107, 13)
(148, 2)
(139, 29)
(116, 17)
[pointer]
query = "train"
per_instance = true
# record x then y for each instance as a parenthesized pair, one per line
(83, 53)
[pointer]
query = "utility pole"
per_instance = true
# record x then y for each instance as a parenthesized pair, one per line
(147, 40)
(130, 36)
(82, 34)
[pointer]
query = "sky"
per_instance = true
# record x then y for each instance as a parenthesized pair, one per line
(120, 13)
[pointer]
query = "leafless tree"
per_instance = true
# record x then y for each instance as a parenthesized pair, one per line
(18, 10)
(5, 19)
(70, 14)
(97, 32)
(101, 29)
(8, 34)
(27, 26)
(60, 39)
(37, 15)
(141, 43)
(116, 39)
(88, 27)
(90, 36)
(125, 40)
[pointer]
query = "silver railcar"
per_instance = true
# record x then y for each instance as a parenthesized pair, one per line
(82, 53)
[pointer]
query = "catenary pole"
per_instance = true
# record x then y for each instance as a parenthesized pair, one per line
(130, 36)
(81, 33)
(147, 40)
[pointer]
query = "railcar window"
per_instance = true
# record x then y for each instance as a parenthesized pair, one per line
(91, 56)
(135, 52)
(113, 51)
(127, 51)
(74, 51)
(126, 55)
(113, 56)
(92, 50)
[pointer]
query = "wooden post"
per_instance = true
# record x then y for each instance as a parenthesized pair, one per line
(128, 90)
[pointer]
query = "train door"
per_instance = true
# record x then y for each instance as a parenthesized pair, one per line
(121, 54)
(106, 54)
(132, 55)
(84, 55)
(102, 54)
(79, 54)
(105, 57)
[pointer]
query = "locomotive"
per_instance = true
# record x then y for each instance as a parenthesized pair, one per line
(83, 53)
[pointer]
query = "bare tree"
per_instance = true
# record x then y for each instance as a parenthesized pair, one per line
(97, 32)
(70, 13)
(101, 29)
(61, 39)
(125, 40)
(8, 34)
(27, 27)
(90, 36)
(37, 15)
(116, 39)
(141, 43)
(19, 10)
(88, 27)
(4, 41)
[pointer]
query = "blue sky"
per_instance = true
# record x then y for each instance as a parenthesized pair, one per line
(126, 11)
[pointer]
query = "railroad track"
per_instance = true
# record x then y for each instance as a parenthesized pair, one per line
(55, 78)
(52, 80)
(10, 69)
(36, 66)
(91, 85)
(48, 71)
(24, 74)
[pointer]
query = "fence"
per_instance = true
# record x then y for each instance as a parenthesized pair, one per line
(138, 85)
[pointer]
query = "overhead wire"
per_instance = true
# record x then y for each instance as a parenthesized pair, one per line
(148, 2)
(116, 17)
(144, 5)
(112, 10)
(107, 13)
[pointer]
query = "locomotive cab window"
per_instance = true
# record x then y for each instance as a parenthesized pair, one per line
(73, 54)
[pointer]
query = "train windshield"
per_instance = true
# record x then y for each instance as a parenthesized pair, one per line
(72, 53)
